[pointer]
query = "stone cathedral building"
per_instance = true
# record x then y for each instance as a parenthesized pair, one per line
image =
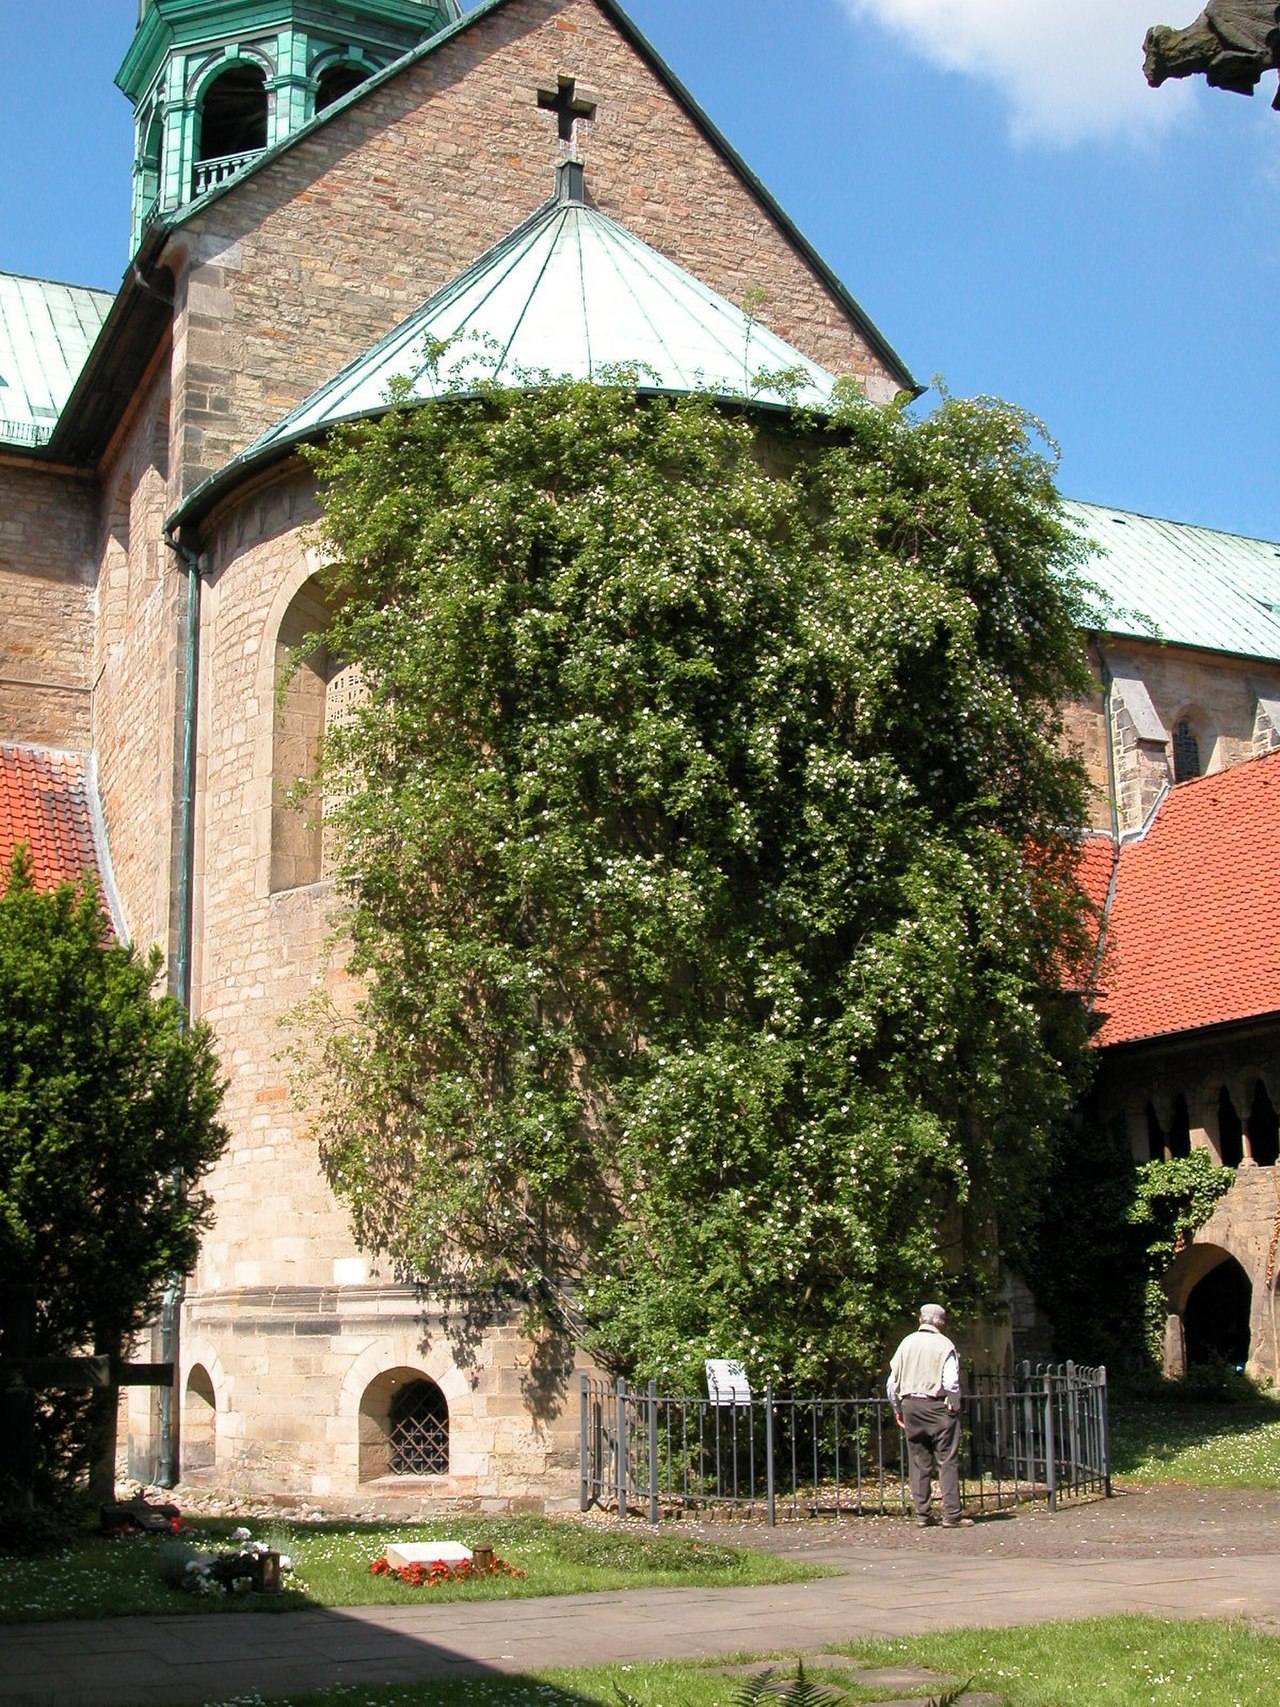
(316, 185)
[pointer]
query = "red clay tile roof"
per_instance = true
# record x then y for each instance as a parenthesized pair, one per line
(1193, 936)
(44, 802)
(1096, 863)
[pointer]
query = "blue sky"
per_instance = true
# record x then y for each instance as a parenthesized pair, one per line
(994, 181)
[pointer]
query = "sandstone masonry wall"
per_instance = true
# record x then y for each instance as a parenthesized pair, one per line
(289, 1323)
(46, 605)
(138, 664)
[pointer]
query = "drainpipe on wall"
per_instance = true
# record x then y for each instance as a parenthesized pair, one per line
(171, 1306)
(1113, 801)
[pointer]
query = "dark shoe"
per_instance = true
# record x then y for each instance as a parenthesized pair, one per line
(957, 1523)
(925, 1522)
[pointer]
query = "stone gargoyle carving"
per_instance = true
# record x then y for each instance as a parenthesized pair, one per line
(1232, 42)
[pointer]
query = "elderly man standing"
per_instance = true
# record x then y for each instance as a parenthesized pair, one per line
(924, 1390)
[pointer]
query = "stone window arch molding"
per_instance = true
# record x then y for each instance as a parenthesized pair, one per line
(335, 73)
(206, 71)
(301, 673)
(150, 154)
(234, 102)
(205, 1397)
(1192, 743)
(377, 1373)
(306, 688)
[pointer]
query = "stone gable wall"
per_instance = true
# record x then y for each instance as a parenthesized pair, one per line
(309, 261)
(47, 524)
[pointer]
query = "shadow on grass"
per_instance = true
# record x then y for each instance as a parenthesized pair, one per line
(1148, 1431)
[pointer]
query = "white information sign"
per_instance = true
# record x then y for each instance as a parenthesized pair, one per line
(727, 1382)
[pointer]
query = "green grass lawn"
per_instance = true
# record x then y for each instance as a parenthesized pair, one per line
(1116, 1662)
(97, 1577)
(1208, 1445)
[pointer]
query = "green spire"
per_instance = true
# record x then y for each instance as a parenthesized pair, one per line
(214, 83)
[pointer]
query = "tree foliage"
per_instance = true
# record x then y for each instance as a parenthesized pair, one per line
(703, 838)
(108, 1120)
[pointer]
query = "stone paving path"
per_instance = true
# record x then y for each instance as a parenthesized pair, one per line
(900, 1590)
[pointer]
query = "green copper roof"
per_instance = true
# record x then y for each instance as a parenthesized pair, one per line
(571, 293)
(46, 332)
(568, 294)
(1189, 586)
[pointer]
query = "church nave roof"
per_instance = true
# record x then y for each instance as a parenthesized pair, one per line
(46, 333)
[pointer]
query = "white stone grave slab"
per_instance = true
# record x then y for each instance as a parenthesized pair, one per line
(427, 1553)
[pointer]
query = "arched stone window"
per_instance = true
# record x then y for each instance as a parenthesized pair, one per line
(160, 441)
(1230, 1131)
(233, 114)
(1186, 751)
(404, 1427)
(1155, 1135)
(1264, 1128)
(114, 587)
(344, 692)
(338, 80)
(1178, 1137)
(302, 686)
(120, 520)
(199, 1422)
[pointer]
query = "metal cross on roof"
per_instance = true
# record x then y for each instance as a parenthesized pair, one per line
(568, 106)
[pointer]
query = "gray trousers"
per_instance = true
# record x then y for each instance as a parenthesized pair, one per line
(933, 1443)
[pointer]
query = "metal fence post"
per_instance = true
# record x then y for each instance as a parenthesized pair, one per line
(1050, 1443)
(1100, 1399)
(768, 1452)
(653, 1452)
(584, 1446)
(621, 1452)
(1029, 1429)
(1073, 1424)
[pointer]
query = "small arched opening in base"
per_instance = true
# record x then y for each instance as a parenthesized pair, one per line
(199, 1422)
(1217, 1315)
(404, 1427)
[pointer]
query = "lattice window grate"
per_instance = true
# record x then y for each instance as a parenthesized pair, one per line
(419, 1431)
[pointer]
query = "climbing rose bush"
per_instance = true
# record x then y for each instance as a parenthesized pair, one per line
(707, 991)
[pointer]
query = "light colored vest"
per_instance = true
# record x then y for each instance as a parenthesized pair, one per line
(918, 1362)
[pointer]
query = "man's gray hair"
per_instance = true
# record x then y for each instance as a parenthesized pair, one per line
(933, 1315)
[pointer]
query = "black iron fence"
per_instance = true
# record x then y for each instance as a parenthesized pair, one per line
(1040, 1434)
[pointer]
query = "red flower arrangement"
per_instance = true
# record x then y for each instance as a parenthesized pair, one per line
(432, 1575)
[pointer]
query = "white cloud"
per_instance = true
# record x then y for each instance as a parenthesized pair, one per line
(1071, 70)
